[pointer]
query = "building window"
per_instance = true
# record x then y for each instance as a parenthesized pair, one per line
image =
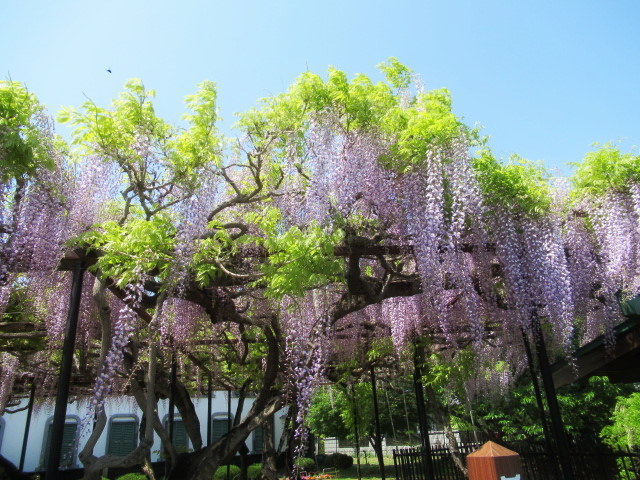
(69, 443)
(257, 443)
(219, 426)
(180, 438)
(123, 435)
(1, 430)
(258, 440)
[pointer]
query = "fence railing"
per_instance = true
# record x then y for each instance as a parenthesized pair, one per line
(591, 461)
(411, 463)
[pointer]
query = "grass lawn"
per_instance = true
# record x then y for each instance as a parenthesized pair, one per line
(368, 472)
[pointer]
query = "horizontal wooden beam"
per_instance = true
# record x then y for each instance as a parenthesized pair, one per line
(596, 359)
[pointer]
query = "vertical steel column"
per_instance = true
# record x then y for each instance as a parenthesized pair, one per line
(228, 428)
(355, 427)
(562, 444)
(537, 393)
(209, 411)
(172, 392)
(418, 357)
(62, 396)
(27, 425)
(376, 412)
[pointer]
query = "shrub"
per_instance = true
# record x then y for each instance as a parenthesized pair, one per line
(254, 471)
(306, 464)
(340, 461)
(221, 472)
(323, 460)
(132, 476)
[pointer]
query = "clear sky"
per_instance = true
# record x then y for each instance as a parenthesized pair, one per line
(545, 79)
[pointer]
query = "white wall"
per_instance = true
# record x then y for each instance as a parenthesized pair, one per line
(13, 430)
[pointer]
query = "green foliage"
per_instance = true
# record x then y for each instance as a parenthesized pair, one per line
(138, 245)
(299, 258)
(254, 471)
(23, 149)
(604, 170)
(200, 145)
(520, 185)
(221, 472)
(396, 73)
(172, 155)
(306, 464)
(132, 476)
(21, 308)
(340, 461)
(426, 123)
(324, 417)
(380, 348)
(625, 430)
(113, 131)
(585, 408)
(332, 411)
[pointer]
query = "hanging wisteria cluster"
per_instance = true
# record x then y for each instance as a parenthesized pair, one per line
(346, 211)
(8, 372)
(123, 327)
(308, 335)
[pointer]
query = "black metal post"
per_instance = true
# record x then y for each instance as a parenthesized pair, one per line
(27, 425)
(172, 392)
(536, 391)
(228, 428)
(376, 412)
(418, 357)
(62, 396)
(562, 444)
(209, 411)
(355, 429)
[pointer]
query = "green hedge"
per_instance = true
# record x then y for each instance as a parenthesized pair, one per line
(133, 476)
(221, 472)
(254, 471)
(306, 464)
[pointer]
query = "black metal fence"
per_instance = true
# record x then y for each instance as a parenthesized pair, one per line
(410, 463)
(590, 461)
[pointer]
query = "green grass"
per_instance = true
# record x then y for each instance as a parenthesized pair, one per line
(369, 469)
(367, 472)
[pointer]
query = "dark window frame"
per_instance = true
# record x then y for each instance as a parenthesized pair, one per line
(123, 418)
(165, 423)
(46, 443)
(217, 416)
(253, 436)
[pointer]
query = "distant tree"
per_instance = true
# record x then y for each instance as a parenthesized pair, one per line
(624, 432)
(587, 407)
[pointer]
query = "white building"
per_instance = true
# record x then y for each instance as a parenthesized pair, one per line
(122, 432)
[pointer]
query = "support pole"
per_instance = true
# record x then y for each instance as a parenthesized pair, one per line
(209, 411)
(537, 393)
(228, 428)
(172, 393)
(27, 425)
(355, 428)
(376, 412)
(418, 358)
(62, 396)
(562, 444)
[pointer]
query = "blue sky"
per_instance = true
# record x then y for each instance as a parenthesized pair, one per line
(544, 79)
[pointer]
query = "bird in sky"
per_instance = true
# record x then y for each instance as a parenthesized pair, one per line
(108, 70)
